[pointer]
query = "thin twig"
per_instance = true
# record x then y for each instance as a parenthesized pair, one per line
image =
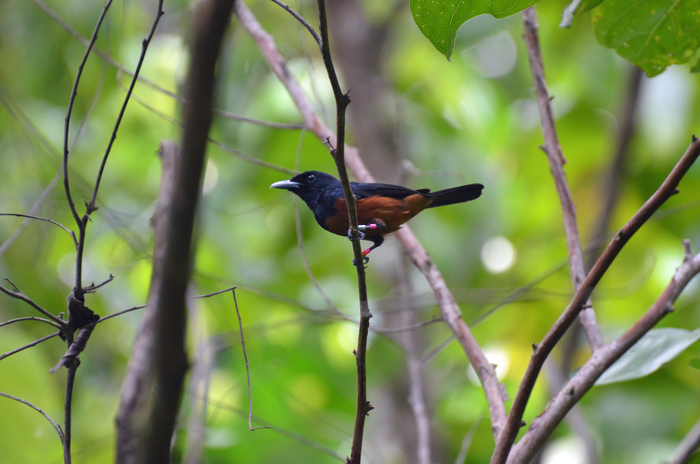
(40, 411)
(119, 313)
(29, 216)
(247, 366)
(303, 22)
(544, 348)
(73, 94)
(31, 318)
(21, 296)
(144, 49)
(556, 164)
(29, 345)
(92, 287)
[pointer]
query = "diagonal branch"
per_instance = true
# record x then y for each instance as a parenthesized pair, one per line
(542, 350)
(585, 378)
(40, 411)
(29, 216)
(15, 293)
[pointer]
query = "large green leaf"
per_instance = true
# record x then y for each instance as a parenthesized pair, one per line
(653, 350)
(440, 19)
(652, 34)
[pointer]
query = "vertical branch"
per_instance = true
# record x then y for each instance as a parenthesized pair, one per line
(153, 384)
(449, 310)
(68, 411)
(342, 101)
(556, 164)
(73, 94)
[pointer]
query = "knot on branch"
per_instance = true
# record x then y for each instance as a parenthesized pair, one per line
(80, 318)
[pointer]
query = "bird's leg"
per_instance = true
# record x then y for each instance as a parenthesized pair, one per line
(373, 225)
(378, 240)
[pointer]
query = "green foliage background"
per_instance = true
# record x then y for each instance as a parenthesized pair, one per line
(456, 125)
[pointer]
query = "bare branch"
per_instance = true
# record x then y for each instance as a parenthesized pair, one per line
(556, 164)
(40, 411)
(29, 345)
(247, 367)
(542, 350)
(30, 318)
(585, 378)
(73, 94)
(92, 287)
(303, 22)
(29, 216)
(15, 293)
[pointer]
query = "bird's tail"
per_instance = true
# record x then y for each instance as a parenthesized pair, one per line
(456, 195)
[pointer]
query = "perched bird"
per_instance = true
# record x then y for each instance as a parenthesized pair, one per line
(381, 208)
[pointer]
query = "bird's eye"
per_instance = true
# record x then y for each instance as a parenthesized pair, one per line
(310, 177)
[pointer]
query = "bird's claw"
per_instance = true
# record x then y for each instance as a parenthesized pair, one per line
(360, 235)
(365, 260)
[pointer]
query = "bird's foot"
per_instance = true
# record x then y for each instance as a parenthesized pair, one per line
(365, 258)
(360, 234)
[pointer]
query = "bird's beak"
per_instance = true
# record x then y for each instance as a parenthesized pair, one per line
(285, 185)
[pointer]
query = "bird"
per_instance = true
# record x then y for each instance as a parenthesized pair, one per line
(381, 208)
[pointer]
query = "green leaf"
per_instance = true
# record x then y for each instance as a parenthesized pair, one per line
(439, 20)
(656, 348)
(653, 34)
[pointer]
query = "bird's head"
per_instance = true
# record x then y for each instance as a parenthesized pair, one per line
(308, 185)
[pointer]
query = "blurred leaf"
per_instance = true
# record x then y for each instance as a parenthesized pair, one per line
(695, 363)
(651, 34)
(656, 348)
(439, 20)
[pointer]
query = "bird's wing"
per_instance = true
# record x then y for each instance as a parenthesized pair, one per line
(385, 190)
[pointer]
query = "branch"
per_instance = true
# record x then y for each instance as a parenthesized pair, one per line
(31, 318)
(29, 345)
(556, 164)
(40, 411)
(144, 47)
(247, 367)
(29, 216)
(153, 384)
(341, 102)
(687, 446)
(303, 22)
(73, 94)
(542, 350)
(15, 293)
(411, 246)
(544, 424)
